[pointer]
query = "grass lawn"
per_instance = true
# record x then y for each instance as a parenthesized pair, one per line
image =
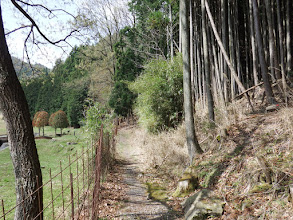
(51, 152)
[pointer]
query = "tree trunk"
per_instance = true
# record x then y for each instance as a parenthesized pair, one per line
(224, 69)
(191, 46)
(272, 46)
(171, 31)
(231, 48)
(22, 145)
(218, 79)
(281, 52)
(192, 143)
(233, 72)
(253, 46)
(263, 65)
(288, 36)
(207, 65)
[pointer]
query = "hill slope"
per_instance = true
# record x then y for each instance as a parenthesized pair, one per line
(24, 70)
(249, 168)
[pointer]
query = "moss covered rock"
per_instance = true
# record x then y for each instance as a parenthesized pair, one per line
(202, 205)
(186, 185)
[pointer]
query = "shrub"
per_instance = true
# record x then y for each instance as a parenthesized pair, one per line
(159, 104)
(40, 120)
(121, 99)
(96, 115)
(58, 120)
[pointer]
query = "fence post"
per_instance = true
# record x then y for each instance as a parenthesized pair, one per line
(88, 177)
(3, 210)
(77, 181)
(62, 189)
(83, 168)
(72, 197)
(69, 160)
(52, 196)
(39, 197)
(97, 175)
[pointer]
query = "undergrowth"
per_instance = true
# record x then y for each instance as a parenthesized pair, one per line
(230, 165)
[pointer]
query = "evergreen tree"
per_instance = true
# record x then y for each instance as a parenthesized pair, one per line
(128, 67)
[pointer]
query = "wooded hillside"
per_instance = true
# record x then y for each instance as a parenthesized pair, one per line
(24, 70)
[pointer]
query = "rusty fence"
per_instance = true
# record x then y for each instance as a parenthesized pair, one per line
(73, 192)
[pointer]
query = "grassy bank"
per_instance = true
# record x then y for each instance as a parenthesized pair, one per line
(51, 152)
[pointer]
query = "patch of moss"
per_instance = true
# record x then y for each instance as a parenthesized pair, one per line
(262, 187)
(190, 183)
(157, 192)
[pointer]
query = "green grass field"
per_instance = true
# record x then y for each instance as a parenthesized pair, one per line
(51, 152)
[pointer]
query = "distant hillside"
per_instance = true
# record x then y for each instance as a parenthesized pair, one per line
(24, 70)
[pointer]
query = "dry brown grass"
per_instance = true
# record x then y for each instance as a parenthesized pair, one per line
(168, 149)
(163, 150)
(229, 165)
(233, 172)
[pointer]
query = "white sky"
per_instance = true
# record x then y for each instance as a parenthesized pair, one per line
(55, 28)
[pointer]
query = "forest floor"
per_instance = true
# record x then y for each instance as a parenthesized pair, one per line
(230, 167)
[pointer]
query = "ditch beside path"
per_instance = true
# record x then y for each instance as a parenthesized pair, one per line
(137, 205)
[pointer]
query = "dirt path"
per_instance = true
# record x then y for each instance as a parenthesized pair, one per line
(138, 205)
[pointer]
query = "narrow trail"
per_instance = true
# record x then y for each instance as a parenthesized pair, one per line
(138, 205)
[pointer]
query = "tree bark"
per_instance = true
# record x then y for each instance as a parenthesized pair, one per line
(281, 52)
(192, 142)
(171, 31)
(231, 49)
(253, 46)
(224, 69)
(22, 145)
(272, 46)
(207, 65)
(288, 36)
(263, 65)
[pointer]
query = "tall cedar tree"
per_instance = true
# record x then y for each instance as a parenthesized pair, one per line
(191, 139)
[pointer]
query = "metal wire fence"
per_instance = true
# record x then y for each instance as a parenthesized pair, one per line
(73, 192)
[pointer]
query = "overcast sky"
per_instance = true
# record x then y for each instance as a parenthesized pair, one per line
(55, 27)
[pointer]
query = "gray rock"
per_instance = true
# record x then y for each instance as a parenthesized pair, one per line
(201, 205)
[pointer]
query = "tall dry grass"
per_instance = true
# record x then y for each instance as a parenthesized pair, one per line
(161, 151)
(168, 149)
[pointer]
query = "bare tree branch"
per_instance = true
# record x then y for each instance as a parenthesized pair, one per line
(17, 29)
(37, 27)
(47, 9)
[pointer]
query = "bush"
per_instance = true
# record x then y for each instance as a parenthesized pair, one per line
(40, 120)
(96, 115)
(58, 120)
(121, 99)
(159, 104)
